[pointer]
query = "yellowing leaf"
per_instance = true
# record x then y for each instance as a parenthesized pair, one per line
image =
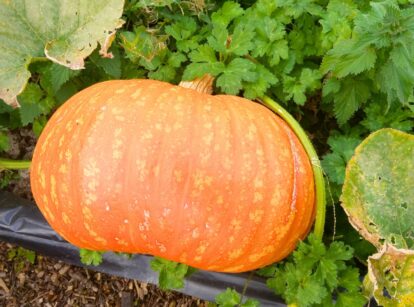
(65, 31)
(391, 271)
(378, 193)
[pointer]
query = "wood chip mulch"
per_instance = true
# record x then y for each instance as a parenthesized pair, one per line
(49, 282)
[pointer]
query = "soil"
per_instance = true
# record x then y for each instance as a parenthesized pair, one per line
(49, 282)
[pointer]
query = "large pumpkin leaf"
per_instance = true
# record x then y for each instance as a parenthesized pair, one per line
(65, 31)
(391, 275)
(378, 193)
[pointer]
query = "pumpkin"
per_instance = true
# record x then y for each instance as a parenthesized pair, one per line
(141, 166)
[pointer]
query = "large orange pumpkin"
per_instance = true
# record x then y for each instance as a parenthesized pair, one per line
(141, 166)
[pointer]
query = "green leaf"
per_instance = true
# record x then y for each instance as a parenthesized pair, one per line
(353, 93)
(90, 257)
(163, 73)
(391, 271)
(30, 103)
(346, 299)
(345, 59)
(241, 41)
(229, 11)
(54, 76)
(204, 54)
(171, 274)
(314, 273)
(183, 29)
(110, 65)
(277, 51)
(218, 38)
(64, 31)
(377, 193)
(258, 88)
(229, 298)
(296, 88)
(142, 44)
(175, 59)
(238, 70)
(204, 61)
(380, 115)
(4, 141)
(38, 125)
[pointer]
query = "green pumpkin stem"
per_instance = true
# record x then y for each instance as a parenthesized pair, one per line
(14, 164)
(313, 157)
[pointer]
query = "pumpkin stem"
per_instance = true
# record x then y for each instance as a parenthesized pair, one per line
(313, 157)
(202, 85)
(14, 164)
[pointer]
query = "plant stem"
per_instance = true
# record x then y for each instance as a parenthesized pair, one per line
(313, 157)
(13, 164)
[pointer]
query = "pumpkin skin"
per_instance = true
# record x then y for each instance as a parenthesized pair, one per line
(141, 166)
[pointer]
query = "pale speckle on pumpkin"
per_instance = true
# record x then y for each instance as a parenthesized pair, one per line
(231, 239)
(101, 240)
(61, 140)
(275, 201)
(116, 111)
(195, 233)
(107, 208)
(126, 221)
(68, 155)
(79, 121)
(49, 214)
(89, 229)
(116, 154)
(235, 254)
(201, 249)
(53, 193)
(123, 242)
(236, 224)
(90, 198)
(87, 213)
(161, 247)
(63, 169)
(136, 94)
(92, 184)
(64, 187)
(158, 126)
(180, 98)
(42, 179)
(256, 216)
(120, 118)
(147, 135)
(258, 197)
(266, 251)
(65, 218)
(120, 91)
(166, 212)
(91, 169)
(178, 175)
(198, 258)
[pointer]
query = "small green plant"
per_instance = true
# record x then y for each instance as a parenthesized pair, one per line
(89, 257)
(231, 298)
(20, 256)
